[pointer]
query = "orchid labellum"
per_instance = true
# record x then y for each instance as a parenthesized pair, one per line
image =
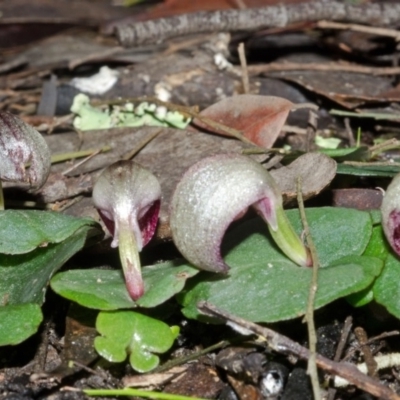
(216, 191)
(127, 197)
(390, 210)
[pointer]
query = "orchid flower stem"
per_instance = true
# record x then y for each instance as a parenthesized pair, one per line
(1, 197)
(130, 260)
(309, 316)
(288, 240)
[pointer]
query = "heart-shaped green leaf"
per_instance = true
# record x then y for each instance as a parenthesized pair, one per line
(24, 277)
(106, 289)
(387, 287)
(377, 247)
(33, 245)
(18, 322)
(23, 231)
(127, 332)
(264, 286)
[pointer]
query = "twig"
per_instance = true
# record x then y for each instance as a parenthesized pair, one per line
(383, 335)
(377, 116)
(81, 162)
(382, 362)
(391, 144)
(349, 132)
(309, 317)
(243, 65)
(393, 33)
(252, 19)
(343, 338)
(141, 144)
(328, 66)
(73, 363)
(282, 344)
(370, 362)
(58, 158)
(182, 360)
(372, 164)
(312, 125)
(340, 348)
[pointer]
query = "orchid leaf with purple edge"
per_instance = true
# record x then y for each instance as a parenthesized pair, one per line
(216, 191)
(20, 145)
(127, 197)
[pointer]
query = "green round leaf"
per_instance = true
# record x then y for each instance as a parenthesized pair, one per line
(18, 322)
(106, 290)
(264, 286)
(361, 298)
(24, 277)
(23, 231)
(387, 286)
(127, 332)
(279, 290)
(378, 246)
(337, 232)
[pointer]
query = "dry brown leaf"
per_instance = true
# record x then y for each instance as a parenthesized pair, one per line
(260, 118)
(316, 171)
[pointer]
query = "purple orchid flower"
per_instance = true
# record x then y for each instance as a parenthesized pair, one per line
(218, 190)
(127, 197)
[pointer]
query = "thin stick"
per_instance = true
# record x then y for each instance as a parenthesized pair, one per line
(393, 33)
(309, 317)
(340, 348)
(377, 116)
(243, 65)
(182, 360)
(343, 338)
(328, 66)
(141, 144)
(58, 158)
(81, 162)
(312, 125)
(282, 344)
(352, 141)
(252, 19)
(370, 362)
(382, 362)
